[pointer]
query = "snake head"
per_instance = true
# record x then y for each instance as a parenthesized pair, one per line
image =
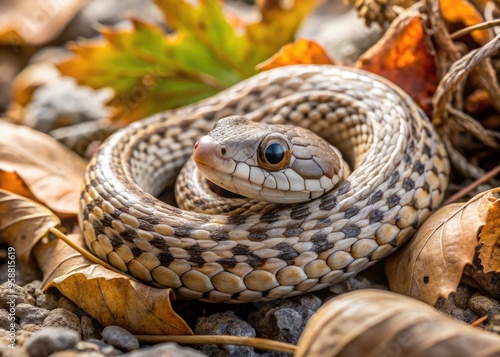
(275, 163)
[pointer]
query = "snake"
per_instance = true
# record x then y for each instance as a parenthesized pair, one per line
(399, 175)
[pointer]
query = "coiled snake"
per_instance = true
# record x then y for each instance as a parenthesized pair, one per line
(400, 173)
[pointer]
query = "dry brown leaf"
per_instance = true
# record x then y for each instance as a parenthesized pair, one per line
(463, 11)
(23, 223)
(302, 51)
(489, 238)
(12, 182)
(35, 22)
(109, 297)
(373, 323)
(431, 265)
(401, 56)
(52, 172)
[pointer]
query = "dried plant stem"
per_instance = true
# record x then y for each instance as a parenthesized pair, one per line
(488, 176)
(481, 26)
(259, 343)
(83, 251)
(479, 321)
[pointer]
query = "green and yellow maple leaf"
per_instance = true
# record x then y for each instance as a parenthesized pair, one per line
(151, 71)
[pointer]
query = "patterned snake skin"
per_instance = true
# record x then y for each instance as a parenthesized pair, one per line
(400, 173)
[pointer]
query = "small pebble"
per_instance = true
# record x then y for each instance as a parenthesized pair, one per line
(22, 297)
(73, 353)
(120, 338)
(5, 320)
(29, 314)
(50, 340)
(90, 328)
(67, 304)
(63, 318)
(47, 301)
(98, 346)
(281, 324)
(166, 350)
(483, 305)
(462, 296)
(445, 305)
(226, 323)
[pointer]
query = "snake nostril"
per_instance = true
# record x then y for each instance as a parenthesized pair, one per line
(196, 145)
(223, 151)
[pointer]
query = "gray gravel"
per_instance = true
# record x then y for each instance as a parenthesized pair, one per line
(50, 340)
(120, 338)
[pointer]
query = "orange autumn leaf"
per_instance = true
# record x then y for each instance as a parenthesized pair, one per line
(302, 51)
(489, 238)
(12, 182)
(457, 11)
(401, 56)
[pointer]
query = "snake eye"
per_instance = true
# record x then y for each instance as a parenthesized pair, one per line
(274, 152)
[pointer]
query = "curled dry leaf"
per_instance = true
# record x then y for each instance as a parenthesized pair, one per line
(401, 56)
(52, 173)
(431, 265)
(109, 297)
(35, 22)
(23, 223)
(302, 51)
(379, 323)
(489, 238)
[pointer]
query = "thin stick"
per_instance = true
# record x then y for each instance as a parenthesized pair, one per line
(481, 26)
(479, 321)
(259, 343)
(83, 251)
(488, 176)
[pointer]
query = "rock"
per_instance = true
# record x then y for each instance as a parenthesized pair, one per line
(6, 320)
(483, 305)
(310, 302)
(90, 328)
(462, 296)
(63, 318)
(226, 323)
(165, 350)
(34, 288)
(62, 102)
(351, 284)
(50, 340)
(73, 353)
(14, 296)
(94, 345)
(286, 319)
(7, 331)
(120, 338)
(29, 314)
(22, 335)
(465, 315)
(67, 304)
(47, 301)
(281, 324)
(445, 305)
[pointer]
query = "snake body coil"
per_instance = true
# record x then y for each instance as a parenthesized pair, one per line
(400, 173)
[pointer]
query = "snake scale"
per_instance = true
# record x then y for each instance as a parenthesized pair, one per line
(399, 175)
